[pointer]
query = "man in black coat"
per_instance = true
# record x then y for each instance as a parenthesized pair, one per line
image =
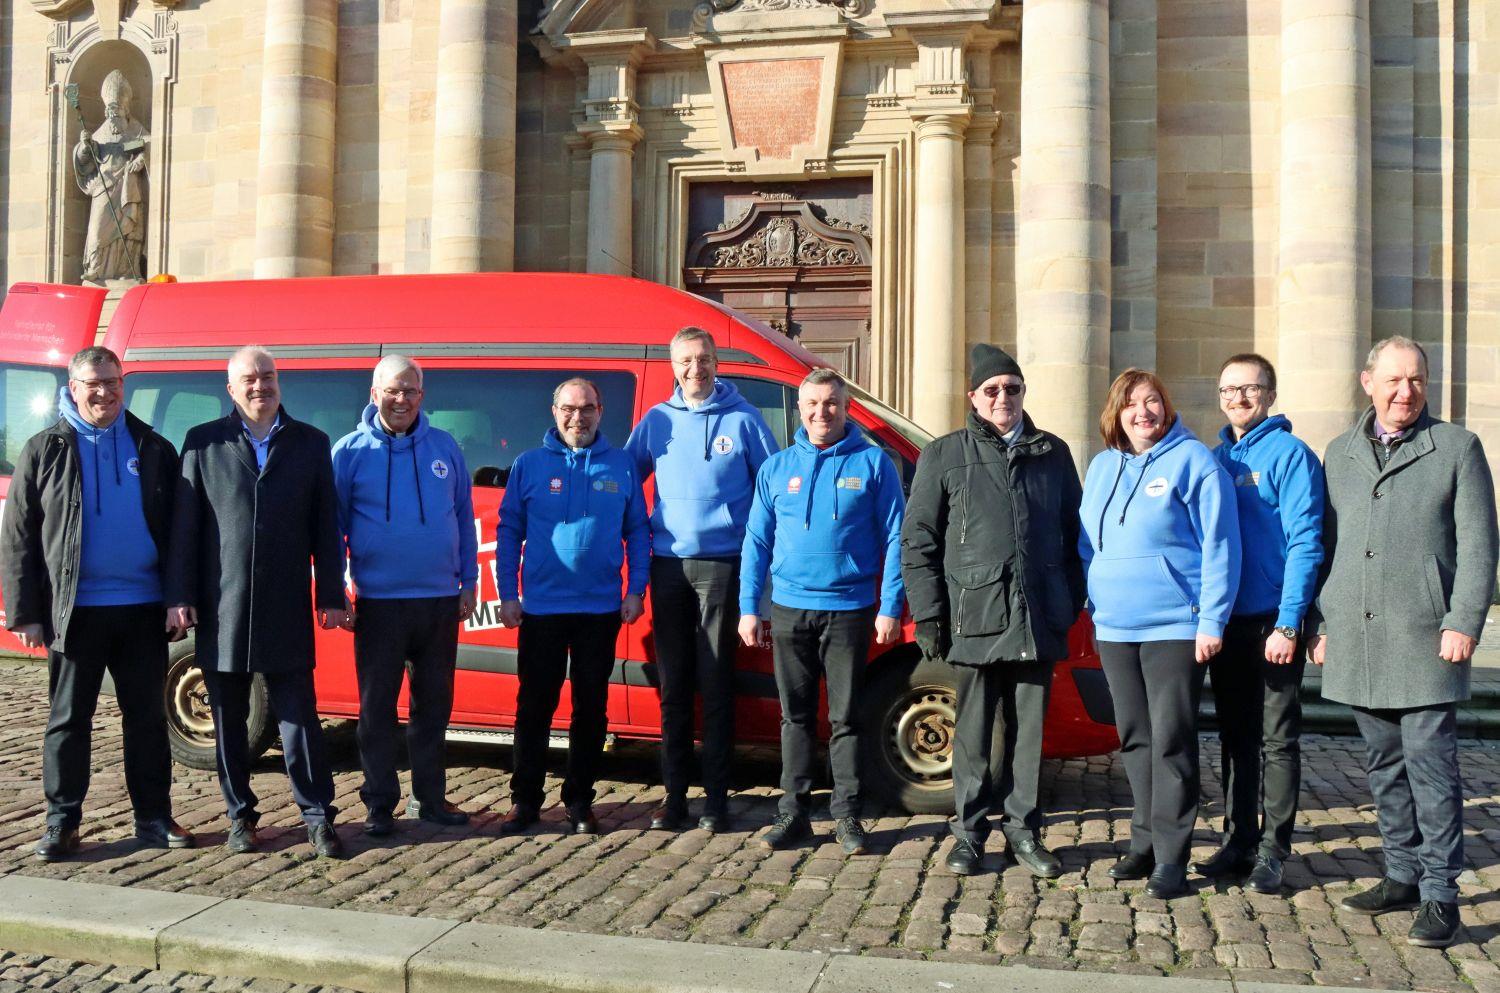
(255, 506)
(84, 533)
(989, 552)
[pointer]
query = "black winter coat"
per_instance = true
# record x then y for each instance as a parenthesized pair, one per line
(41, 536)
(243, 540)
(990, 543)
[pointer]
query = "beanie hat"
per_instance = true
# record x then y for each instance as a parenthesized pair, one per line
(987, 361)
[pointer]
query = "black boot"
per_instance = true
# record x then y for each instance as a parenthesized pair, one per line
(1384, 896)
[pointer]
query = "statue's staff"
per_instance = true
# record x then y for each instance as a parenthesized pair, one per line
(70, 93)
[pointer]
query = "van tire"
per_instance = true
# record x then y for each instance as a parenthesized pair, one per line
(190, 726)
(906, 737)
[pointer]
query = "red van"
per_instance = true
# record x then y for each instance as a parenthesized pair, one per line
(493, 346)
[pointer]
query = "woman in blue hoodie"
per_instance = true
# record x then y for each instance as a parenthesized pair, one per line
(1161, 548)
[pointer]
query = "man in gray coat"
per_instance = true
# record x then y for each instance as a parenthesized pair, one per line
(1410, 550)
(256, 506)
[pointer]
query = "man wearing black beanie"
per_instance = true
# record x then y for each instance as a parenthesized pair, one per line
(989, 553)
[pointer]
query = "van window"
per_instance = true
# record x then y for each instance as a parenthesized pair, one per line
(495, 414)
(776, 402)
(28, 402)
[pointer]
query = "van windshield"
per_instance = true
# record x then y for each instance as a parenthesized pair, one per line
(28, 403)
(906, 427)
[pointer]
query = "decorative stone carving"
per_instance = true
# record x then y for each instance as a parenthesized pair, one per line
(115, 8)
(110, 167)
(780, 232)
(706, 10)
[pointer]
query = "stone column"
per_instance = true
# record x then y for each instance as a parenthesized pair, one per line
(1323, 280)
(474, 149)
(938, 359)
(1062, 238)
(294, 197)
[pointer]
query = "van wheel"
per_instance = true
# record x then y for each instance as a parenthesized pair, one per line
(907, 736)
(190, 723)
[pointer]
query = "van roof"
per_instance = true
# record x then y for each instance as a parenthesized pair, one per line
(374, 312)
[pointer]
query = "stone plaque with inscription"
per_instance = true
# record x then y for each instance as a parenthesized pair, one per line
(772, 104)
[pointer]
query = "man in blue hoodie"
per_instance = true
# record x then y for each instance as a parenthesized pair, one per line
(575, 507)
(1278, 485)
(705, 444)
(826, 523)
(407, 514)
(85, 532)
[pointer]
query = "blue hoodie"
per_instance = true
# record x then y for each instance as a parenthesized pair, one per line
(828, 521)
(572, 509)
(1160, 541)
(1278, 482)
(705, 459)
(406, 510)
(117, 558)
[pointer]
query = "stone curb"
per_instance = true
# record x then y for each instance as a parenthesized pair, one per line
(383, 953)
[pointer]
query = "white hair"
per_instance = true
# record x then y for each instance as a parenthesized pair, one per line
(391, 366)
(250, 352)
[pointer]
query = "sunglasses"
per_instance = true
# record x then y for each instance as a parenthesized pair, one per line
(1011, 390)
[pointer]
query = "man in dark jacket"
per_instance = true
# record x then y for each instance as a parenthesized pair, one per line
(255, 506)
(84, 533)
(989, 553)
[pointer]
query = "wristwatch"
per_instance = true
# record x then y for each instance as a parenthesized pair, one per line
(1289, 633)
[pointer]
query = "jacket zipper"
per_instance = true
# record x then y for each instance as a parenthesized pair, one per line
(958, 617)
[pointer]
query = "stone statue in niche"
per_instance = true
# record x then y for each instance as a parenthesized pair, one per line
(110, 166)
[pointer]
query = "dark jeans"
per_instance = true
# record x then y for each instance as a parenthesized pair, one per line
(694, 615)
(295, 706)
(1260, 724)
(418, 639)
(551, 648)
(807, 645)
(131, 643)
(1411, 762)
(997, 747)
(1156, 686)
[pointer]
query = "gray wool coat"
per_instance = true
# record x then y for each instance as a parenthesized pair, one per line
(1410, 550)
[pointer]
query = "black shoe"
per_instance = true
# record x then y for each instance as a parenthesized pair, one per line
(163, 832)
(242, 836)
(1436, 925)
(1266, 876)
(521, 817)
(1384, 896)
(436, 813)
(850, 834)
(786, 830)
(582, 820)
(672, 815)
(1135, 865)
(714, 822)
(1034, 857)
(325, 841)
(1227, 861)
(1167, 882)
(966, 857)
(380, 824)
(57, 843)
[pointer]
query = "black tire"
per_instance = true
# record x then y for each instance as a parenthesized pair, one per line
(907, 733)
(190, 726)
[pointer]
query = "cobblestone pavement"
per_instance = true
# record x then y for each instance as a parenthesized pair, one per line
(727, 889)
(38, 972)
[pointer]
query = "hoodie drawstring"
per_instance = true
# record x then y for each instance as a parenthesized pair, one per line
(98, 483)
(1145, 467)
(416, 478)
(1104, 510)
(390, 454)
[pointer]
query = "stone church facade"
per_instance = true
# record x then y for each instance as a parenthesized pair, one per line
(1093, 184)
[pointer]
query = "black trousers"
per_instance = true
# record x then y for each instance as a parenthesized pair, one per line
(694, 616)
(997, 747)
(130, 642)
(1156, 686)
(417, 639)
(806, 646)
(1411, 761)
(1260, 725)
(551, 648)
(295, 706)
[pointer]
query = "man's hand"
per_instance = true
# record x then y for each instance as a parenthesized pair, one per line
(1280, 650)
(932, 638)
(632, 608)
(753, 633)
(336, 618)
(468, 599)
(1317, 649)
(887, 629)
(1207, 647)
(1456, 647)
(29, 635)
(181, 618)
(510, 613)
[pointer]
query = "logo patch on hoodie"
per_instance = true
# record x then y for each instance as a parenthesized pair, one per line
(134, 465)
(440, 468)
(554, 485)
(849, 483)
(1158, 487)
(794, 485)
(723, 444)
(606, 486)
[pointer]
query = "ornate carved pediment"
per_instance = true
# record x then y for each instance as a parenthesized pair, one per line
(108, 11)
(850, 8)
(779, 232)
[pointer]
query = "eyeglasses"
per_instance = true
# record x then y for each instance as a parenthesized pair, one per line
(392, 394)
(1011, 390)
(1250, 391)
(95, 385)
(588, 410)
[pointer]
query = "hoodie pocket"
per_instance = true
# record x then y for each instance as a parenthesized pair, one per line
(1137, 593)
(817, 572)
(980, 595)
